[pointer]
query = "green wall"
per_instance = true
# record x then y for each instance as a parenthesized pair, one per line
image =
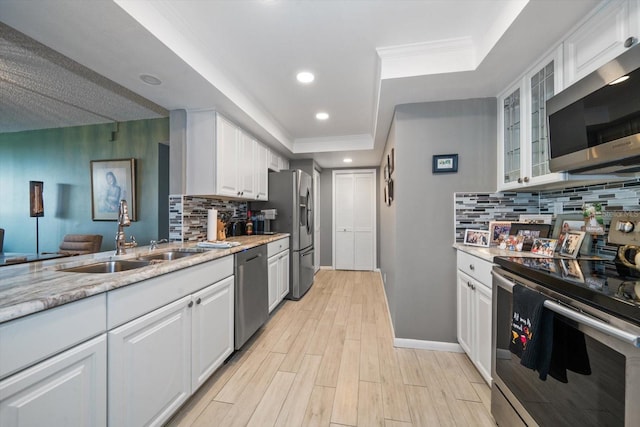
(61, 159)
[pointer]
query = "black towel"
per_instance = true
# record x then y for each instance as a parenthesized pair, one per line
(531, 330)
(569, 352)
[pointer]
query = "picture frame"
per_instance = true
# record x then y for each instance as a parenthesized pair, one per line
(544, 247)
(393, 161)
(571, 243)
(390, 193)
(474, 237)
(573, 221)
(387, 173)
(445, 163)
(497, 229)
(529, 232)
(112, 181)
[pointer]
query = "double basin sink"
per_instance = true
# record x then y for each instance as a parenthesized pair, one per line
(132, 264)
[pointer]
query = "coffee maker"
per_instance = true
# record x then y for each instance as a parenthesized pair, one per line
(263, 223)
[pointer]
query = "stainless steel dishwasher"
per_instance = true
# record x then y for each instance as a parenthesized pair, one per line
(252, 293)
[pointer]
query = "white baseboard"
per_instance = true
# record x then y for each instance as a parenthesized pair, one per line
(428, 345)
(326, 267)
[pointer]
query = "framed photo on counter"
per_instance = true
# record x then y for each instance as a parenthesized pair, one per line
(474, 237)
(498, 229)
(571, 243)
(529, 232)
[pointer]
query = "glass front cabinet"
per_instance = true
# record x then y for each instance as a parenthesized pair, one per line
(523, 142)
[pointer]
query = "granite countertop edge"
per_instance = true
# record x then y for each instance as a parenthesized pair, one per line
(33, 287)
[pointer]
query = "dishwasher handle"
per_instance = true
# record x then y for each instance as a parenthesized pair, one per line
(577, 316)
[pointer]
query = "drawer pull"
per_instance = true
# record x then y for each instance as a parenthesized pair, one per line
(472, 267)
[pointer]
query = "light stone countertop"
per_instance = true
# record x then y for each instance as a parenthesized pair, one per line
(32, 287)
(487, 254)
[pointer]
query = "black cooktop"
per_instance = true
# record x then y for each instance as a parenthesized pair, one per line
(602, 284)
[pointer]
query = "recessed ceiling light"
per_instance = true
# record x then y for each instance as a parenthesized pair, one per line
(305, 77)
(322, 116)
(150, 80)
(347, 160)
(619, 80)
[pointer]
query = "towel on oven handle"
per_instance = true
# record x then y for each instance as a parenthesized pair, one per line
(531, 330)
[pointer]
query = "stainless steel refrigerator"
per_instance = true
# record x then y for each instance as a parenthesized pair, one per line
(291, 194)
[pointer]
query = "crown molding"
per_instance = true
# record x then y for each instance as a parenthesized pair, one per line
(333, 143)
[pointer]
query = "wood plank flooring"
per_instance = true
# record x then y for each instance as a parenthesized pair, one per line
(328, 360)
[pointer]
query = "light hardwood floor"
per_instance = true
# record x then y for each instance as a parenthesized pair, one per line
(328, 360)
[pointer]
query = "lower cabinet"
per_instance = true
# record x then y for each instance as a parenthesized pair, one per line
(158, 360)
(474, 313)
(68, 389)
(278, 271)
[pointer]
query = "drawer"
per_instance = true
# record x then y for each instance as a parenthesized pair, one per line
(277, 246)
(475, 267)
(28, 340)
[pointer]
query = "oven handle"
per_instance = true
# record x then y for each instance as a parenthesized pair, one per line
(578, 317)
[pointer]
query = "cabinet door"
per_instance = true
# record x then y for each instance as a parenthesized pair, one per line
(212, 330)
(600, 39)
(464, 313)
(69, 389)
(261, 173)
(482, 332)
(283, 271)
(273, 279)
(274, 161)
(150, 366)
(511, 140)
(227, 142)
(246, 166)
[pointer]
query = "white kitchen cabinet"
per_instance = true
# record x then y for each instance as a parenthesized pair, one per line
(600, 38)
(278, 271)
(150, 366)
(222, 159)
(262, 172)
(474, 311)
(522, 143)
(158, 360)
(283, 278)
(274, 161)
(69, 389)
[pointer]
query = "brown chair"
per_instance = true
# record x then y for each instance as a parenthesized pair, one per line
(80, 244)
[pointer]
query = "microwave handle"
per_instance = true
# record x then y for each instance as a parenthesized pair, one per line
(578, 317)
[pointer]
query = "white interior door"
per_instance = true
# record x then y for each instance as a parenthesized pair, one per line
(354, 220)
(316, 219)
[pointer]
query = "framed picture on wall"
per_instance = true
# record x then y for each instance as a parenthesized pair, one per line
(112, 181)
(445, 163)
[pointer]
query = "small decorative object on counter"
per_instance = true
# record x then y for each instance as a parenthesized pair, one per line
(249, 228)
(221, 230)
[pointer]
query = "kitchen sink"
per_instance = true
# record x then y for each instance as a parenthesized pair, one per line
(171, 254)
(109, 266)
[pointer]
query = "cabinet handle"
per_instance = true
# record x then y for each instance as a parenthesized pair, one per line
(472, 267)
(473, 287)
(190, 304)
(199, 300)
(630, 42)
(526, 179)
(468, 284)
(519, 180)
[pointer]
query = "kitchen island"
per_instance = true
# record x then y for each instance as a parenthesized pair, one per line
(124, 348)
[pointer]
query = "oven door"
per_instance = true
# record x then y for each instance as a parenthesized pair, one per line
(608, 396)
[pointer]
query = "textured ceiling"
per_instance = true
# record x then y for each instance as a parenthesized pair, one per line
(41, 88)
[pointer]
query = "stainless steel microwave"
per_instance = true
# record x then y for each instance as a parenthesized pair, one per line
(594, 124)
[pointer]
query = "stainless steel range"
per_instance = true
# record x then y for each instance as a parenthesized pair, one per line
(595, 375)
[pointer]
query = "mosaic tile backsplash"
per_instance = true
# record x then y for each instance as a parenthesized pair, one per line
(475, 210)
(188, 216)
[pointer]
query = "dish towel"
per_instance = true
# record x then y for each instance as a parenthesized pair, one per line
(217, 245)
(531, 330)
(569, 352)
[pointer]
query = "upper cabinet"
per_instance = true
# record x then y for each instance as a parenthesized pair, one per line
(523, 146)
(612, 28)
(223, 160)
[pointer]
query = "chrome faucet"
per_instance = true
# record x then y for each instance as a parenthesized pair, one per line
(123, 221)
(154, 243)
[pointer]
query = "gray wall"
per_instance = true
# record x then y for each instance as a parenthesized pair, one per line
(387, 238)
(417, 231)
